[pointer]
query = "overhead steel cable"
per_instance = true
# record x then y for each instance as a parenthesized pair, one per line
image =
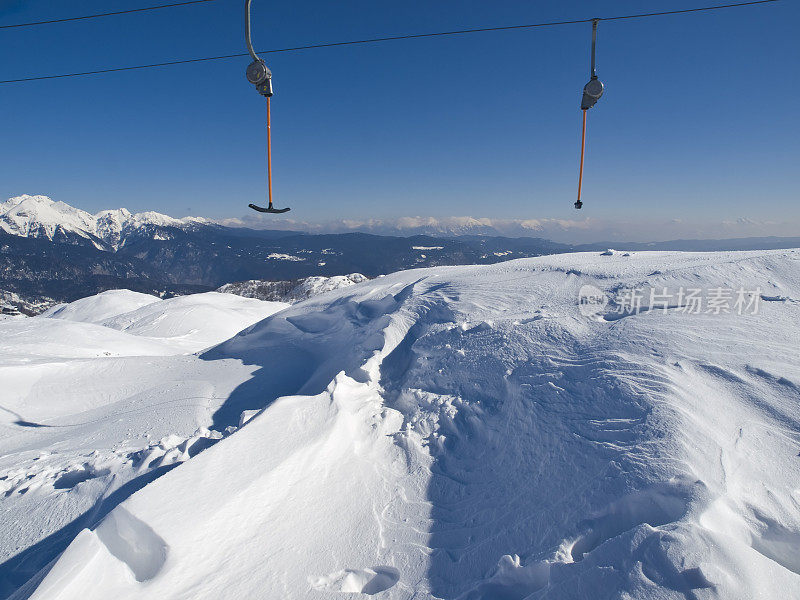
(105, 14)
(114, 70)
(389, 39)
(681, 11)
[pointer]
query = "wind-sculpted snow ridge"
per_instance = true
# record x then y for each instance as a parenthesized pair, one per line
(482, 433)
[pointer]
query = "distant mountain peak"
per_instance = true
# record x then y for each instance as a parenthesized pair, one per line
(42, 217)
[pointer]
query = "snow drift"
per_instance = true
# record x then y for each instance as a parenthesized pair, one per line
(478, 433)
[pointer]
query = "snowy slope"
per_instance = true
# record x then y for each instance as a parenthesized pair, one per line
(98, 398)
(41, 217)
(470, 432)
(193, 322)
(46, 361)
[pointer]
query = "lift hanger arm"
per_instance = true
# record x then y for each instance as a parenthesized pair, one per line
(260, 76)
(591, 94)
(247, 39)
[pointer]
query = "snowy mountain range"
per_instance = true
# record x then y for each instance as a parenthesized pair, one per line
(41, 217)
(477, 432)
(52, 252)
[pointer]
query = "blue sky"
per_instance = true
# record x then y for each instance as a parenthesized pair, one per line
(699, 121)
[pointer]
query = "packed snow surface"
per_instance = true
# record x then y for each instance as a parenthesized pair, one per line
(479, 432)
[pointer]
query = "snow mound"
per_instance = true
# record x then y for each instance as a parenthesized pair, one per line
(52, 366)
(186, 323)
(196, 321)
(475, 433)
(98, 308)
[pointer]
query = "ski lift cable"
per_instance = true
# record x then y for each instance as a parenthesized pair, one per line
(105, 14)
(388, 39)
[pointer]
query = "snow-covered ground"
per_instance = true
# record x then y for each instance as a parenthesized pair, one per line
(98, 397)
(571, 426)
